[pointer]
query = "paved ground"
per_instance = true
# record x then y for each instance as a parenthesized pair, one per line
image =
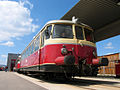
(15, 81)
(11, 81)
(79, 83)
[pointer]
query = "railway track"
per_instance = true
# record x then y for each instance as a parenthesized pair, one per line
(78, 83)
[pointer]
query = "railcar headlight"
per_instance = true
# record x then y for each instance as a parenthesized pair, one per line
(64, 51)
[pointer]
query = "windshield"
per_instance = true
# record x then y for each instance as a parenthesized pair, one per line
(62, 31)
(88, 35)
(79, 32)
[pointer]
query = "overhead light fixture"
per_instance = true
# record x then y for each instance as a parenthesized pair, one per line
(118, 3)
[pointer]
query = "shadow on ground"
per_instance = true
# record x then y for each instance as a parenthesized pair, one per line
(75, 81)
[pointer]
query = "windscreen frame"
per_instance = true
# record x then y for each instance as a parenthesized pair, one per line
(60, 31)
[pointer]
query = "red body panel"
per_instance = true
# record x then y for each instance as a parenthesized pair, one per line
(59, 60)
(31, 60)
(17, 66)
(50, 53)
(85, 52)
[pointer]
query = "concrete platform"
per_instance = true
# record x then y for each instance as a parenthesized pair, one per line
(15, 81)
(11, 81)
(78, 83)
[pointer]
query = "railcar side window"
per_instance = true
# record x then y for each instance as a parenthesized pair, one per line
(26, 53)
(22, 56)
(42, 39)
(32, 48)
(48, 31)
(37, 43)
(79, 32)
(89, 35)
(29, 50)
(62, 31)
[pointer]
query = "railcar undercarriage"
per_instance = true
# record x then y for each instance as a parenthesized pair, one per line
(63, 71)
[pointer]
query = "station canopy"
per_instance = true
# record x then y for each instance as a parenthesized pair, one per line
(102, 15)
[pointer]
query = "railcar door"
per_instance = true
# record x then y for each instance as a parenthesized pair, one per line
(80, 39)
(44, 36)
(42, 40)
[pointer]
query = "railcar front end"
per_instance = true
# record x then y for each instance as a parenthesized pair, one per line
(70, 49)
(63, 47)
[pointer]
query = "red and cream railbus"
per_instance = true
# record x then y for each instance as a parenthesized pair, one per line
(62, 48)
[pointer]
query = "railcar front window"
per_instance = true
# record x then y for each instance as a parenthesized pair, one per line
(79, 33)
(89, 35)
(62, 31)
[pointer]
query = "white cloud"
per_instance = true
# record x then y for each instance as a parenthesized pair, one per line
(26, 3)
(15, 20)
(4, 56)
(3, 0)
(18, 38)
(9, 43)
(109, 53)
(37, 20)
(109, 46)
(3, 59)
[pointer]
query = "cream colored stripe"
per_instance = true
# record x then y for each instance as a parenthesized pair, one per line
(40, 65)
(68, 41)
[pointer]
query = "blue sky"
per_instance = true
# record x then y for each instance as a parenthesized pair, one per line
(20, 20)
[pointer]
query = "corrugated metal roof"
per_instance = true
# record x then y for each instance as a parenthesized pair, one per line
(102, 15)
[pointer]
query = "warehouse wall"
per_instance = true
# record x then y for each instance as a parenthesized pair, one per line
(110, 69)
(10, 57)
